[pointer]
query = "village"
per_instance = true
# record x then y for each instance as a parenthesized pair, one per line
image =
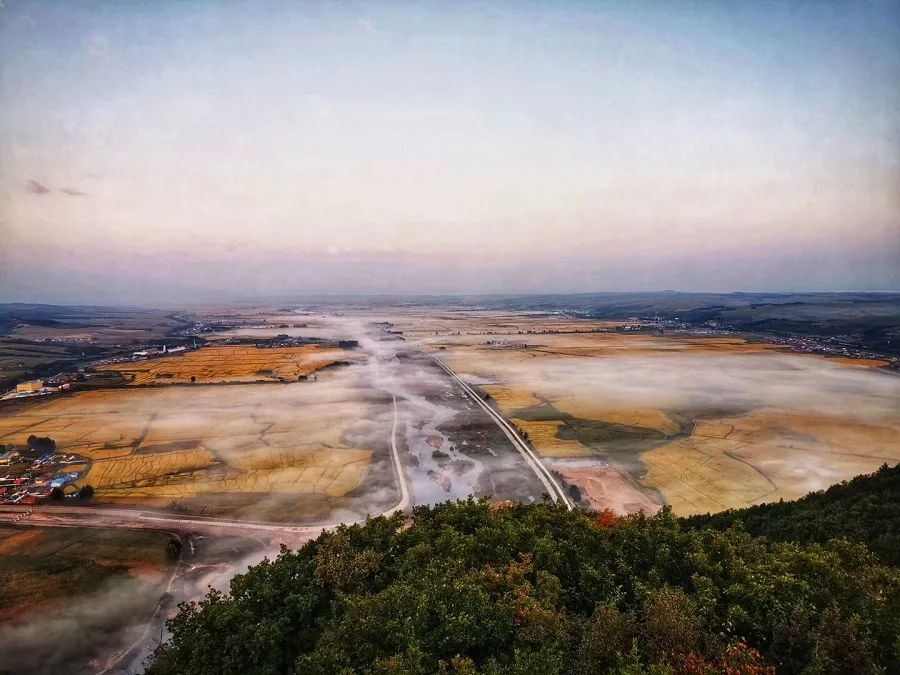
(36, 473)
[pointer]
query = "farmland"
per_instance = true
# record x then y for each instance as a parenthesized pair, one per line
(230, 364)
(105, 582)
(702, 423)
(280, 451)
(227, 430)
(38, 340)
(41, 566)
(625, 417)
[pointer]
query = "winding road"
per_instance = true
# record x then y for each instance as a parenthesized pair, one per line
(274, 533)
(405, 498)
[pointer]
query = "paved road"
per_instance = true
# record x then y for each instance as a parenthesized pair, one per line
(553, 487)
(273, 533)
(405, 499)
(93, 516)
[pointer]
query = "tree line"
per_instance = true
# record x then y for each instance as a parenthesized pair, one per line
(467, 587)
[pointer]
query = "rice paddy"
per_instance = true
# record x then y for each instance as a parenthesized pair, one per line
(155, 446)
(232, 364)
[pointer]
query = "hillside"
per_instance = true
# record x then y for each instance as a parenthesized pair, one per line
(864, 509)
(469, 588)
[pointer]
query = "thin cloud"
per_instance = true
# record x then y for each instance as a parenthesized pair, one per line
(35, 188)
(73, 192)
(368, 26)
(96, 45)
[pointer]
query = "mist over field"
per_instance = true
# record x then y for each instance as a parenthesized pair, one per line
(681, 381)
(271, 268)
(113, 617)
(696, 425)
(114, 621)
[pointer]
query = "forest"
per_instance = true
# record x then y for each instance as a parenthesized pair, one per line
(864, 509)
(469, 587)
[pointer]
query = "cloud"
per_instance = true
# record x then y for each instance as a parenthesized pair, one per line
(73, 192)
(36, 188)
(368, 26)
(96, 45)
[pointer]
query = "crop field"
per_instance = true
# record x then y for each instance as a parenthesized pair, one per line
(70, 596)
(42, 566)
(419, 324)
(702, 423)
(221, 364)
(748, 459)
(510, 399)
(545, 435)
(207, 445)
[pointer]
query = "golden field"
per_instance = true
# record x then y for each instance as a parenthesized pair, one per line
(230, 363)
(764, 455)
(511, 399)
(702, 423)
(543, 435)
(156, 445)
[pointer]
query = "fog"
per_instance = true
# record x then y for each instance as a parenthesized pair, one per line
(770, 425)
(684, 381)
(112, 629)
(271, 428)
(46, 641)
(423, 394)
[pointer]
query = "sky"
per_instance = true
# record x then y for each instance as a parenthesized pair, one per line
(170, 150)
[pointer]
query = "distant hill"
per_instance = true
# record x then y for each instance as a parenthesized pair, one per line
(532, 589)
(865, 320)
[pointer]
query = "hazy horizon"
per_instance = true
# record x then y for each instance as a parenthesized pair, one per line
(189, 152)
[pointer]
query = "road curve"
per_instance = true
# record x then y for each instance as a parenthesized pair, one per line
(112, 518)
(403, 504)
(553, 487)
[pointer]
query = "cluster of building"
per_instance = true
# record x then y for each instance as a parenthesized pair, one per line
(201, 327)
(830, 346)
(505, 344)
(29, 481)
(157, 351)
(145, 353)
(66, 339)
(35, 388)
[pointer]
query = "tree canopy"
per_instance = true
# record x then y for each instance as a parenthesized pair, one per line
(467, 587)
(864, 509)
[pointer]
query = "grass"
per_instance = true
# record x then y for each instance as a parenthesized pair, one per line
(47, 565)
(548, 437)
